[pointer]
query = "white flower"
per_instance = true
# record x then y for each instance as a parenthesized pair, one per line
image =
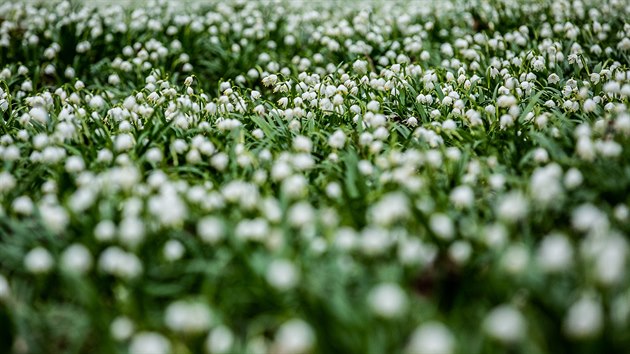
(117, 262)
(584, 319)
(391, 207)
(545, 183)
(302, 143)
(589, 105)
(154, 155)
(252, 229)
(121, 328)
(210, 229)
(360, 66)
(23, 205)
(39, 114)
(55, 217)
(220, 340)
(588, 217)
(387, 300)
(131, 231)
(337, 140)
(573, 178)
(38, 260)
(74, 164)
(105, 230)
(555, 253)
(168, 207)
(124, 142)
(188, 317)
(462, 196)
(506, 324)
(301, 214)
(431, 338)
(460, 251)
(515, 258)
(149, 343)
(373, 106)
(609, 253)
(282, 274)
(294, 337)
(76, 259)
(270, 80)
(173, 250)
(512, 207)
(442, 226)
(375, 241)
(5, 289)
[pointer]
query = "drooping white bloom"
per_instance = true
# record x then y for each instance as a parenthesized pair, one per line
(220, 340)
(337, 140)
(390, 208)
(188, 316)
(39, 114)
(512, 207)
(515, 259)
(360, 66)
(462, 196)
(545, 185)
(431, 338)
(282, 274)
(131, 231)
(442, 226)
(149, 343)
(387, 300)
(117, 262)
(584, 319)
(506, 324)
(460, 251)
(55, 217)
(589, 218)
(555, 253)
(124, 142)
(76, 259)
(38, 260)
(121, 328)
(5, 289)
(294, 337)
(573, 178)
(105, 230)
(173, 250)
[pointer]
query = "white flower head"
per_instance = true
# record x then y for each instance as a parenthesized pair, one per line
(506, 324)
(188, 316)
(38, 260)
(387, 300)
(584, 318)
(149, 343)
(282, 274)
(431, 338)
(294, 337)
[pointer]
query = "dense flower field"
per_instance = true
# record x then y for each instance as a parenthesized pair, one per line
(329, 177)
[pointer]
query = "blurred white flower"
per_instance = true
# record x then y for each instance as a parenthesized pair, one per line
(188, 316)
(387, 300)
(294, 337)
(431, 338)
(282, 274)
(76, 259)
(220, 340)
(38, 260)
(121, 328)
(149, 343)
(584, 319)
(506, 324)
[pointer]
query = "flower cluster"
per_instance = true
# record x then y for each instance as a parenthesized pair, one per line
(295, 178)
